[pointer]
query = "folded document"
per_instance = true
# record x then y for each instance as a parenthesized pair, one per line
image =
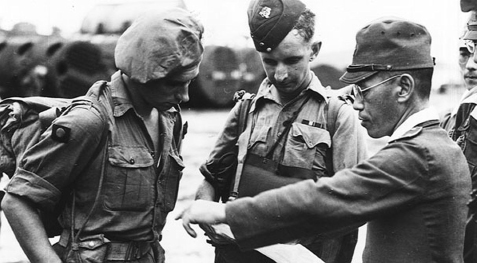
(280, 253)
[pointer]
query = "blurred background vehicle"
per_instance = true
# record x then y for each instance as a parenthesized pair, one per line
(33, 64)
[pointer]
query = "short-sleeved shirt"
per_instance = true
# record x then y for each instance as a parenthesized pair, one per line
(308, 141)
(311, 144)
(139, 186)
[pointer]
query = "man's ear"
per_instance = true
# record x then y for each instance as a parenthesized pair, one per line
(406, 87)
(315, 49)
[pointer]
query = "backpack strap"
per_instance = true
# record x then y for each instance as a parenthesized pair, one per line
(245, 104)
(245, 100)
(100, 95)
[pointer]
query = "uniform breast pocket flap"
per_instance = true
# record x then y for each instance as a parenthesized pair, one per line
(130, 157)
(311, 136)
(129, 182)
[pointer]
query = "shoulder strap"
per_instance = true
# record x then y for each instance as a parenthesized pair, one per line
(245, 99)
(245, 104)
(100, 95)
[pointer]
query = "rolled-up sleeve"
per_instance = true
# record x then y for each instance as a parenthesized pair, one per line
(51, 165)
(226, 143)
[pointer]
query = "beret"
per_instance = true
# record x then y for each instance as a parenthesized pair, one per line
(389, 44)
(270, 21)
(158, 43)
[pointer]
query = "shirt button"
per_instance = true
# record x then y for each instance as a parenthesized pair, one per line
(60, 132)
(91, 244)
(131, 161)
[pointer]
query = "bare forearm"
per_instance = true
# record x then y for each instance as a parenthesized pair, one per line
(28, 229)
(205, 192)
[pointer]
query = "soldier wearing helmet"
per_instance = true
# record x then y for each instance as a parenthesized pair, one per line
(113, 157)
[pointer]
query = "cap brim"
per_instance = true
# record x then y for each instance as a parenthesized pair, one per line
(355, 77)
(470, 35)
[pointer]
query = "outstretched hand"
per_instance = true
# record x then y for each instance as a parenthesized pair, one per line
(202, 212)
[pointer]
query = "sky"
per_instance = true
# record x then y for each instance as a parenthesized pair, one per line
(226, 22)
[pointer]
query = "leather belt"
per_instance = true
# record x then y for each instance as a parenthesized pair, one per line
(116, 250)
(127, 250)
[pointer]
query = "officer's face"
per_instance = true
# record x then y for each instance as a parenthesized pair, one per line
(287, 66)
(378, 111)
(167, 92)
(468, 68)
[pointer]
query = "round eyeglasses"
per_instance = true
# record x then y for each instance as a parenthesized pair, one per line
(470, 44)
(358, 91)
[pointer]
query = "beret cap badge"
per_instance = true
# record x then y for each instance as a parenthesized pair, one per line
(265, 12)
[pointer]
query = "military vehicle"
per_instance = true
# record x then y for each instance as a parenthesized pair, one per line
(37, 65)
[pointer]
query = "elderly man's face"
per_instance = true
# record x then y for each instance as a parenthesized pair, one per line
(377, 110)
(167, 92)
(288, 65)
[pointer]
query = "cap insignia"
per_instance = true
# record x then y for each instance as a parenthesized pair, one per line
(265, 12)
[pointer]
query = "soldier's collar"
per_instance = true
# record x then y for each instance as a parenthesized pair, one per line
(409, 127)
(121, 99)
(264, 91)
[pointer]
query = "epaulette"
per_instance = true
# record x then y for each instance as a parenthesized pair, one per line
(242, 95)
(347, 98)
(344, 94)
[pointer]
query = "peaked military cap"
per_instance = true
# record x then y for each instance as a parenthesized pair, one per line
(270, 21)
(158, 43)
(389, 44)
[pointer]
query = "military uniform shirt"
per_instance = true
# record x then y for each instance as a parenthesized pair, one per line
(139, 186)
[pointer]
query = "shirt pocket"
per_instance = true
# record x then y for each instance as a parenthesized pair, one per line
(306, 145)
(129, 184)
(171, 179)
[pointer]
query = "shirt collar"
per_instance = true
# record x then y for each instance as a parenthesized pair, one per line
(265, 90)
(417, 118)
(122, 100)
(119, 93)
(470, 95)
